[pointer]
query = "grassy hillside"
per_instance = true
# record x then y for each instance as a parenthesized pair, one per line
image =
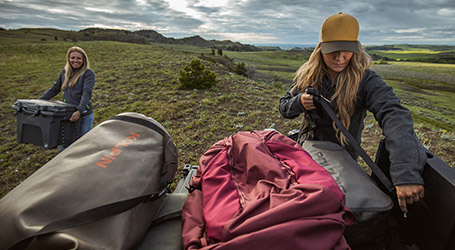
(143, 78)
(137, 78)
(428, 90)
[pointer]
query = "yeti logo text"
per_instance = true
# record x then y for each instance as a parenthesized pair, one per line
(116, 151)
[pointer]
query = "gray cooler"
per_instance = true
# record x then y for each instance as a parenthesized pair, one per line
(45, 123)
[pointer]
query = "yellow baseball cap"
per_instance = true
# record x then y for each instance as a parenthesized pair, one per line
(339, 32)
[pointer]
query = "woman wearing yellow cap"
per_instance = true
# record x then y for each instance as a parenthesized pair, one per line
(339, 69)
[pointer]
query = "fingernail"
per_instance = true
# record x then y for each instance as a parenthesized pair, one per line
(405, 215)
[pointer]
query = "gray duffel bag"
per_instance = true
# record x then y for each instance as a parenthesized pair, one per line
(371, 206)
(102, 192)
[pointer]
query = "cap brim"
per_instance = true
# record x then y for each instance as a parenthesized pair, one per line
(329, 47)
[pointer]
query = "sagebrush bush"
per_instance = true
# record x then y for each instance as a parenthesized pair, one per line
(240, 69)
(196, 76)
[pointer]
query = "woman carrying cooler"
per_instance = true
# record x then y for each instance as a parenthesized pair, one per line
(76, 80)
(339, 69)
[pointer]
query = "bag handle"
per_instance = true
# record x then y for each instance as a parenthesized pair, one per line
(325, 103)
(89, 216)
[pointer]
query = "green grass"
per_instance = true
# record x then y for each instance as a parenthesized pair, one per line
(414, 52)
(144, 78)
(427, 89)
(288, 58)
(132, 78)
(277, 65)
(281, 65)
(439, 68)
(434, 108)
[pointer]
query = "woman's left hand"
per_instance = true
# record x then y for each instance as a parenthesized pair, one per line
(75, 116)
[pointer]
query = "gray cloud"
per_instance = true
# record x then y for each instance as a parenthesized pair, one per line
(248, 21)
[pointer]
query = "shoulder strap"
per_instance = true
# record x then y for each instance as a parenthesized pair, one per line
(352, 141)
(89, 216)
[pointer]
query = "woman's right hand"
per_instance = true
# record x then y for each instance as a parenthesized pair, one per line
(307, 101)
(75, 116)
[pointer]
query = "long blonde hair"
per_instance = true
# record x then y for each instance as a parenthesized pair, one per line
(69, 70)
(348, 81)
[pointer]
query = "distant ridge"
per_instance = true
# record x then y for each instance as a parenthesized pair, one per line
(286, 46)
(101, 34)
(151, 36)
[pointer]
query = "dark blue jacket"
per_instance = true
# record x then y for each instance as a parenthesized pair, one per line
(406, 153)
(80, 94)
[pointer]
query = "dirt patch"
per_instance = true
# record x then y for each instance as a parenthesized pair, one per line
(411, 88)
(278, 69)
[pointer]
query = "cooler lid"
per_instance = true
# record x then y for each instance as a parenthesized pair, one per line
(38, 105)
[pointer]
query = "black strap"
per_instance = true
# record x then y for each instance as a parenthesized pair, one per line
(352, 141)
(89, 216)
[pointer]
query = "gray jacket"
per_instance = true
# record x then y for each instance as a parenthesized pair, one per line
(406, 153)
(80, 94)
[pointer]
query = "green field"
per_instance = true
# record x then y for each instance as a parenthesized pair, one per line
(427, 89)
(136, 78)
(422, 53)
(144, 78)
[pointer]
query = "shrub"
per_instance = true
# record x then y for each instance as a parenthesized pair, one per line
(380, 61)
(196, 76)
(240, 69)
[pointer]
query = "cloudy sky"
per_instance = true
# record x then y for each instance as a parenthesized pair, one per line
(246, 21)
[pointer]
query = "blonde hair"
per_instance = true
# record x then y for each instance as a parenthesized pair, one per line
(348, 81)
(69, 70)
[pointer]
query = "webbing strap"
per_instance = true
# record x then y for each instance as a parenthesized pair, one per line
(352, 141)
(89, 216)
